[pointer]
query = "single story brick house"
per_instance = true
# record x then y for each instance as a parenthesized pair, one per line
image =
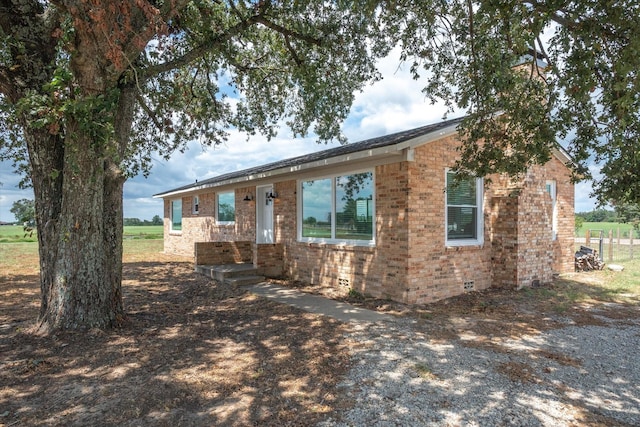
(383, 217)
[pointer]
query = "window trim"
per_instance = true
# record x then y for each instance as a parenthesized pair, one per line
(551, 188)
(479, 241)
(171, 229)
(195, 203)
(332, 240)
(217, 213)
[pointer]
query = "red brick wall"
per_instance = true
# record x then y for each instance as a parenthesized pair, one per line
(202, 227)
(377, 271)
(220, 253)
(410, 261)
(435, 270)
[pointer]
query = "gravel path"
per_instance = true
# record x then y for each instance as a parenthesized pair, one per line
(576, 375)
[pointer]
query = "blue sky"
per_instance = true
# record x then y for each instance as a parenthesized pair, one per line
(394, 104)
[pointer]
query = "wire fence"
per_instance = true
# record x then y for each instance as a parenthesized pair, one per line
(611, 245)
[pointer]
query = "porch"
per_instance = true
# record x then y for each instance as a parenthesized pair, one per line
(242, 262)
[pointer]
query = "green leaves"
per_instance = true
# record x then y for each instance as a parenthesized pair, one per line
(582, 87)
(254, 66)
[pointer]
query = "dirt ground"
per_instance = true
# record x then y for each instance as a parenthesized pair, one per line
(193, 352)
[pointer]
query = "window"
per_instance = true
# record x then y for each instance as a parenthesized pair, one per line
(551, 190)
(196, 204)
(338, 209)
(464, 211)
(176, 215)
(226, 209)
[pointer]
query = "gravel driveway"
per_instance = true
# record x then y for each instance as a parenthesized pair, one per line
(569, 376)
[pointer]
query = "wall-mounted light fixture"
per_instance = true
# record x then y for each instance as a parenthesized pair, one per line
(272, 195)
(248, 197)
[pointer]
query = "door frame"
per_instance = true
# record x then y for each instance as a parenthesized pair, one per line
(262, 229)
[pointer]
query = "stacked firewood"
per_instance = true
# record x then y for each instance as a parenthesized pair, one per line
(587, 259)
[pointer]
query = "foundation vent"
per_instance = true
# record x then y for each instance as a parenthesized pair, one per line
(344, 282)
(469, 286)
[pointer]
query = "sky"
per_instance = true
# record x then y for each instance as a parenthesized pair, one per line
(394, 104)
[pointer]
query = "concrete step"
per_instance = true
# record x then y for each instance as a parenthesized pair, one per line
(244, 280)
(223, 272)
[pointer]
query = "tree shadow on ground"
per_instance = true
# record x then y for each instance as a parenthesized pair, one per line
(506, 357)
(191, 352)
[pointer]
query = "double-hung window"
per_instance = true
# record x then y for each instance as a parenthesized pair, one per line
(176, 215)
(337, 209)
(226, 208)
(463, 214)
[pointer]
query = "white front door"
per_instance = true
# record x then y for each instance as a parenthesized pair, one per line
(264, 214)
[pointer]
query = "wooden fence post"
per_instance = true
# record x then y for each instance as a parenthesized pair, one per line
(611, 245)
(587, 238)
(631, 244)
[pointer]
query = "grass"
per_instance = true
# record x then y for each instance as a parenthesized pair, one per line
(22, 257)
(424, 371)
(143, 232)
(591, 287)
(625, 229)
(15, 233)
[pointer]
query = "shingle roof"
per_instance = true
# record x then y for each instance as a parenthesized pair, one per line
(369, 144)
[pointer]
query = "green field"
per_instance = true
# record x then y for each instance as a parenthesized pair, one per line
(625, 229)
(15, 233)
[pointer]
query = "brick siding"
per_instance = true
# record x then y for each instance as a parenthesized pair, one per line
(411, 262)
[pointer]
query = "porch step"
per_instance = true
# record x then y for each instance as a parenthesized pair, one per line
(226, 272)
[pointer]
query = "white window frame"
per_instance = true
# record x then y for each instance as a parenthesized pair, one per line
(195, 205)
(551, 188)
(218, 206)
(330, 240)
(479, 217)
(171, 229)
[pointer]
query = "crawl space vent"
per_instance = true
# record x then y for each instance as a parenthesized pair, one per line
(468, 286)
(343, 282)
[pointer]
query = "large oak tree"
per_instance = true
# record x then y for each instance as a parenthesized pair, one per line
(91, 88)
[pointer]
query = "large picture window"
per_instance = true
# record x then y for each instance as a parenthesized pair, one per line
(464, 211)
(226, 208)
(338, 209)
(176, 215)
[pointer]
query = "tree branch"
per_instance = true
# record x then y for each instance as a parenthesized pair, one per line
(286, 32)
(198, 51)
(149, 111)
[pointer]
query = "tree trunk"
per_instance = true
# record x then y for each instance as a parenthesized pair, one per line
(78, 194)
(79, 211)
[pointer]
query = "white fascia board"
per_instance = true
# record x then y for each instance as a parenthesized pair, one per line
(186, 191)
(563, 155)
(380, 152)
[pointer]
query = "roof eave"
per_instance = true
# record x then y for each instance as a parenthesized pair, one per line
(367, 154)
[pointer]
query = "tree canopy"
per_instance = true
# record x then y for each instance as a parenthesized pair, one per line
(90, 89)
(587, 94)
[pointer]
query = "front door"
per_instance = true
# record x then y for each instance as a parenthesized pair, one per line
(264, 214)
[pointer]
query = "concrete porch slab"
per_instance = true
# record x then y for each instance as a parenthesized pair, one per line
(316, 304)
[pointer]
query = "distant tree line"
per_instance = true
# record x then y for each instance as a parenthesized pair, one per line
(156, 220)
(628, 214)
(598, 215)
